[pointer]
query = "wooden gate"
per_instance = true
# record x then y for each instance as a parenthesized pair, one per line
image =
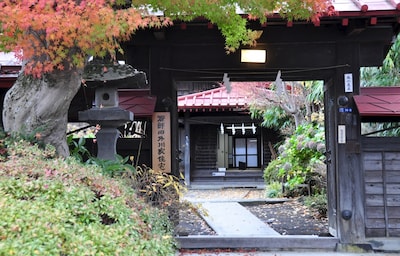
(381, 165)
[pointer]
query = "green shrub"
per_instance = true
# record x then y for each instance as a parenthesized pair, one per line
(318, 202)
(274, 189)
(271, 172)
(55, 206)
(160, 189)
(77, 148)
(301, 158)
(113, 168)
(3, 147)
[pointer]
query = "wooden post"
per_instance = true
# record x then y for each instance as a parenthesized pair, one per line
(162, 86)
(187, 149)
(330, 140)
(347, 159)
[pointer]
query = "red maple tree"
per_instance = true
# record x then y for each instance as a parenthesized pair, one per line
(62, 34)
(54, 39)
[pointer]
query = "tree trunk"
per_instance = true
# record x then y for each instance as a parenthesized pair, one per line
(298, 118)
(40, 105)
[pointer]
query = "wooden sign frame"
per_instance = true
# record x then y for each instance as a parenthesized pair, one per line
(161, 141)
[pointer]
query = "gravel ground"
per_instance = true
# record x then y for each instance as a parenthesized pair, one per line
(287, 218)
(291, 218)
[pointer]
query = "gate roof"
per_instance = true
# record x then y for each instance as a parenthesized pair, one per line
(365, 5)
(378, 103)
(217, 99)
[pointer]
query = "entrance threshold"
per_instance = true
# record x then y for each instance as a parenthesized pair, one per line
(291, 242)
(225, 184)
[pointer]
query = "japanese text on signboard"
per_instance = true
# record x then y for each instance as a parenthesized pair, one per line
(161, 142)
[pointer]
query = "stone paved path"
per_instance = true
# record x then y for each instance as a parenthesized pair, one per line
(232, 219)
(227, 217)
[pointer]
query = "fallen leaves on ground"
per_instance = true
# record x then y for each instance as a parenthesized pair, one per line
(290, 218)
(287, 218)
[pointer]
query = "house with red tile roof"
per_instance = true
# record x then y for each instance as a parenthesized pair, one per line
(226, 145)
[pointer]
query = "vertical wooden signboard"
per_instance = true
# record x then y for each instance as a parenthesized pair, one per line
(161, 130)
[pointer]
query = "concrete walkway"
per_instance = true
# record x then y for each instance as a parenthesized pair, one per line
(237, 228)
(232, 219)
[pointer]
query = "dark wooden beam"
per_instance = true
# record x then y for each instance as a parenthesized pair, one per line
(198, 53)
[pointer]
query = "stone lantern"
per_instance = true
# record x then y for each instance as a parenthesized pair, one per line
(106, 79)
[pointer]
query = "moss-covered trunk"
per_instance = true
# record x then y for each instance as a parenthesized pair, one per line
(41, 105)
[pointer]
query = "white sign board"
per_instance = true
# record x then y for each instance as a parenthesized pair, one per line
(341, 134)
(348, 82)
